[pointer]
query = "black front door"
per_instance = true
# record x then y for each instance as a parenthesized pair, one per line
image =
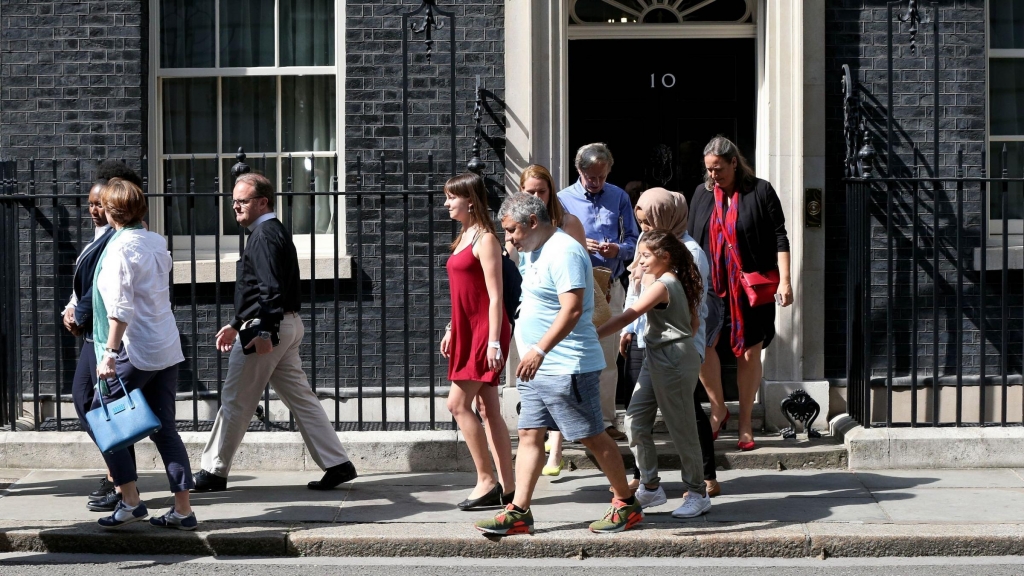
(657, 103)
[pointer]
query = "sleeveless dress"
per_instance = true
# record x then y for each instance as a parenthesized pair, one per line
(470, 324)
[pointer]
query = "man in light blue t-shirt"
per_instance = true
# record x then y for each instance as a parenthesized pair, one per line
(558, 375)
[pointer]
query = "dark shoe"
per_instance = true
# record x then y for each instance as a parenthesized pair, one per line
(492, 498)
(333, 476)
(209, 482)
(123, 515)
(173, 520)
(101, 492)
(106, 504)
(616, 434)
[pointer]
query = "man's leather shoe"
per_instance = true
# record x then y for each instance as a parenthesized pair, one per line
(616, 434)
(333, 476)
(101, 492)
(209, 482)
(713, 488)
(105, 504)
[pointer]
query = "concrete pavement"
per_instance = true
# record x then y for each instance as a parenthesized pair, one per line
(761, 513)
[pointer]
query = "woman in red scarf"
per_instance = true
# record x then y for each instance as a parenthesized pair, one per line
(738, 221)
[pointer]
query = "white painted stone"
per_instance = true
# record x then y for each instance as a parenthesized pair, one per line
(775, 392)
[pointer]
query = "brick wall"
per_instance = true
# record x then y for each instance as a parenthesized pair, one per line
(856, 34)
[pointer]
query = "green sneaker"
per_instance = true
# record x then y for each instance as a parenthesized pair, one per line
(508, 522)
(620, 516)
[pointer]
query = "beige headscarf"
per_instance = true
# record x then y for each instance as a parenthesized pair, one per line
(665, 210)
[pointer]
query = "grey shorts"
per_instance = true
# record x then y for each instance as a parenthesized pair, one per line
(569, 403)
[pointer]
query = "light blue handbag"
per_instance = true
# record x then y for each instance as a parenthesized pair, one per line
(123, 422)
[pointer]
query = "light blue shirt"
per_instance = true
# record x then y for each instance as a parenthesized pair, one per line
(558, 266)
(700, 338)
(606, 216)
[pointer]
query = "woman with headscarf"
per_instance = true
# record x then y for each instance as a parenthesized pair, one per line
(666, 210)
(738, 221)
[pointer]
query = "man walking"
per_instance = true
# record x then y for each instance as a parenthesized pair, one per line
(557, 376)
(607, 217)
(266, 313)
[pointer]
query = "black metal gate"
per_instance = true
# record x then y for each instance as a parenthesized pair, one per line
(934, 312)
(372, 339)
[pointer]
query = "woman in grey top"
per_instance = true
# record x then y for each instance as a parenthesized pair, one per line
(670, 370)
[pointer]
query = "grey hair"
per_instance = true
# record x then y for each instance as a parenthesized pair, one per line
(520, 206)
(262, 185)
(724, 148)
(596, 153)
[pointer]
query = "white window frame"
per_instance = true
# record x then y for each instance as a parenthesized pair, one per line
(1015, 227)
(323, 260)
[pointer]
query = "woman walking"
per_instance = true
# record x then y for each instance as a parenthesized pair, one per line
(138, 347)
(738, 221)
(669, 373)
(476, 340)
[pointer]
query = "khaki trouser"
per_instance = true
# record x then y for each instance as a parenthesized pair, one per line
(243, 388)
(667, 380)
(610, 348)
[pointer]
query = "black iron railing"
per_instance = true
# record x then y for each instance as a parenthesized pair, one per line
(370, 337)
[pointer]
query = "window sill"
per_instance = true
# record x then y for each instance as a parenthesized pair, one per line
(994, 258)
(206, 268)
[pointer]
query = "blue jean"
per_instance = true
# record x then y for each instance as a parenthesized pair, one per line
(158, 387)
(569, 403)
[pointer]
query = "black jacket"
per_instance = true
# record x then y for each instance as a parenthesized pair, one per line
(760, 226)
(85, 269)
(267, 277)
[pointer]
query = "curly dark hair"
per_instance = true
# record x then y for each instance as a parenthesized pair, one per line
(110, 169)
(661, 242)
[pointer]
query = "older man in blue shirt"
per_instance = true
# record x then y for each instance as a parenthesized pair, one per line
(607, 217)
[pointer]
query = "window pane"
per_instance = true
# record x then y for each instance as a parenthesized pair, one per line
(246, 33)
(1007, 23)
(309, 212)
(259, 164)
(190, 115)
(1015, 167)
(1006, 88)
(204, 217)
(249, 114)
(307, 32)
(186, 34)
(308, 113)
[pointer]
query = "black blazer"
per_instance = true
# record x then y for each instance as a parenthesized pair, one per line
(760, 227)
(267, 277)
(85, 269)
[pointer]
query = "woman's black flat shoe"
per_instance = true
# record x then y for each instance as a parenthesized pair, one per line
(492, 498)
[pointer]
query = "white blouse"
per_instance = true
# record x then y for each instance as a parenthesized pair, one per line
(133, 282)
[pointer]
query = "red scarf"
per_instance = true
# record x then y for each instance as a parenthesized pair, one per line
(725, 280)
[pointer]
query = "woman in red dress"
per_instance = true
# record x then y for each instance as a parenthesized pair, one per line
(476, 340)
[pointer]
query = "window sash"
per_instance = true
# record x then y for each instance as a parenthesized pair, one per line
(1014, 226)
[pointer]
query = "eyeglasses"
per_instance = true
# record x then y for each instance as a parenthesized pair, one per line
(244, 201)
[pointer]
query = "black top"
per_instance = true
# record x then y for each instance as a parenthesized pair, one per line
(85, 269)
(267, 277)
(760, 225)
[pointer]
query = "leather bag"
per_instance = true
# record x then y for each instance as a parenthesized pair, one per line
(760, 287)
(122, 422)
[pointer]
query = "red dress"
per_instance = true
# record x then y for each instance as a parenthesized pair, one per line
(470, 324)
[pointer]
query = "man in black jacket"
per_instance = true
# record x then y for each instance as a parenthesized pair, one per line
(269, 331)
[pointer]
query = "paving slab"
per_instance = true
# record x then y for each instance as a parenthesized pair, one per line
(906, 479)
(954, 505)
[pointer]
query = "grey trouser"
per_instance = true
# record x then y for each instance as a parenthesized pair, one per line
(243, 388)
(667, 380)
(610, 349)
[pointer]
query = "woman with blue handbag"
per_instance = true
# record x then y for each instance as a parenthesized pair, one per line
(137, 350)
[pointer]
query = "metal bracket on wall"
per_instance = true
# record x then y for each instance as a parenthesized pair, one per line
(799, 406)
(812, 207)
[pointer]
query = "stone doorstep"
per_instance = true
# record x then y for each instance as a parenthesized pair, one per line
(921, 448)
(553, 540)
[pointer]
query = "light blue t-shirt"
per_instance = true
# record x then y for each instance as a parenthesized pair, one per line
(560, 265)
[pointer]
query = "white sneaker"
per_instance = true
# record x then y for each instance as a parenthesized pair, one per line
(694, 505)
(650, 498)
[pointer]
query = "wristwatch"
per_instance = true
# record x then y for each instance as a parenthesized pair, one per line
(264, 335)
